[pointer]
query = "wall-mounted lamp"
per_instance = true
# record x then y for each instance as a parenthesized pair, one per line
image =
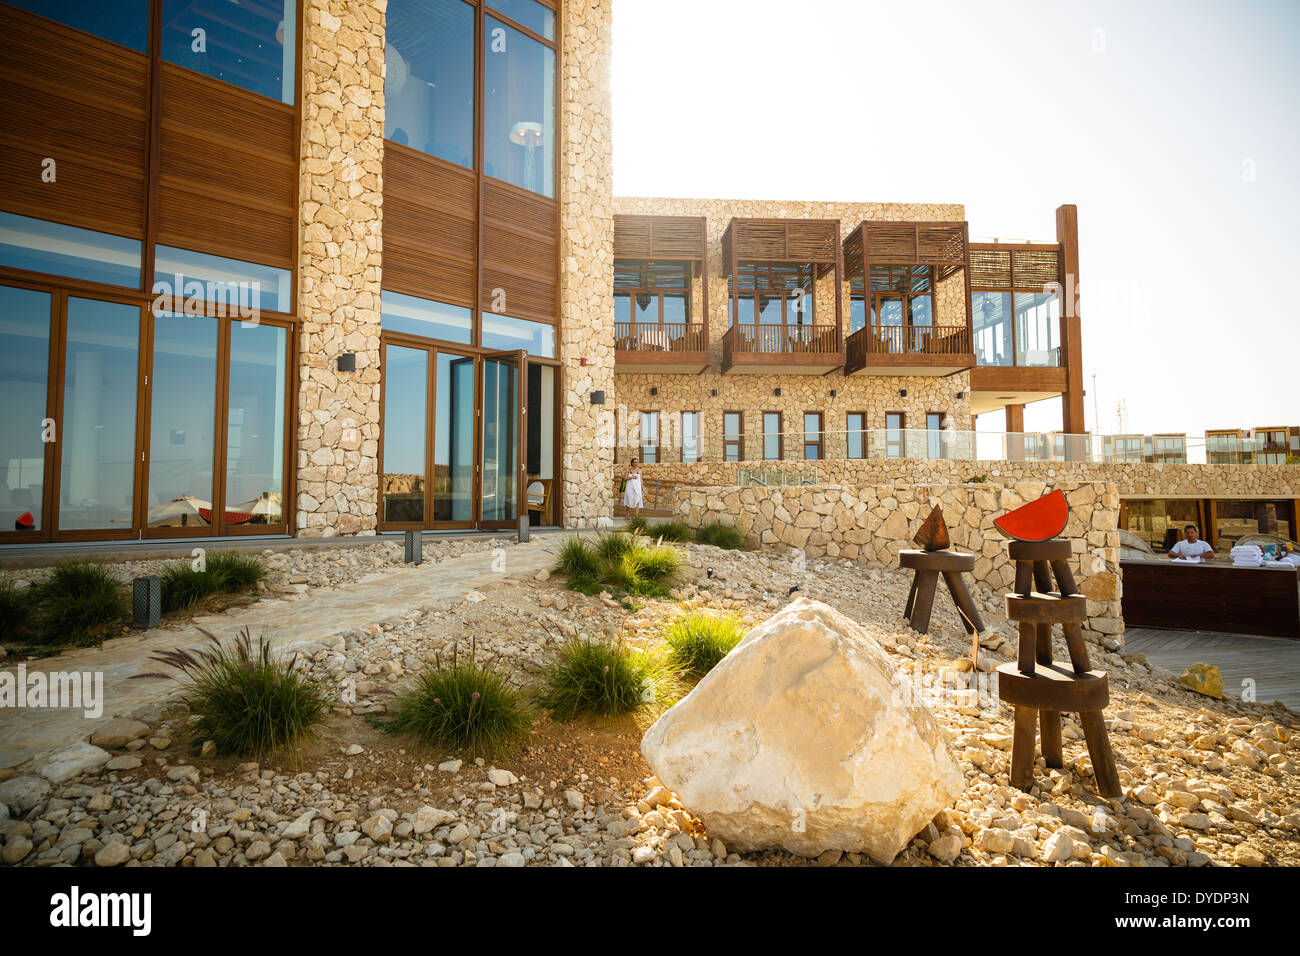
(903, 392)
(714, 393)
(654, 391)
(348, 362)
(776, 391)
(832, 393)
(961, 395)
(598, 398)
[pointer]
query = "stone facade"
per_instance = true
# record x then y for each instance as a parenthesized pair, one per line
(339, 262)
(586, 263)
(872, 523)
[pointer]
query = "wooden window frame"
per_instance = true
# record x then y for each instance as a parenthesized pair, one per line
(699, 451)
(641, 443)
(765, 269)
(863, 431)
(901, 443)
(820, 443)
(780, 434)
(657, 292)
(739, 440)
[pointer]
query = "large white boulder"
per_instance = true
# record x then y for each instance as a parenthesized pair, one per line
(805, 737)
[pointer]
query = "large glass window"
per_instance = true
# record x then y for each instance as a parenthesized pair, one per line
(40, 246)
(183, 420)
(233, 286)
(406, 402)
(1234, 519)
(518, 109)
(125, 22)
(991, 320)
(812, 436)
(453, 439)
(934, 435)
(856, 424)
(97, 473)
(255, 425)
(902, 306)
(435, 320)
(894, 435)
(503, 332)
(690, 436)
(733, 436)
(24, 369)
(649, 437)
(1159, 521)
(528, 13)
(250, 44)
(429, 78)
(1038, 328)
(655, 294)
(771, 436)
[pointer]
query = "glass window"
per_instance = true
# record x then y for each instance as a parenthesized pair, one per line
(934, 435)
(97, 480)
(991, 321)
(1038, 328)
(812, 436)
(255, 424)
(429, 78)
(50, 247)
(24, 370)
(649, 437)
(690, 436)
(732, 436)
(893, 435)
(237, 288)
(527, 13)
(771, 436)
(857, 313)
(453, 439)
(435, 320)
(250, 45)
(1234, 519)
(406, 401)
(182, 420)
(125, 22)
(518, 109)
(855, 422)
(503, 332)
(1159, 521)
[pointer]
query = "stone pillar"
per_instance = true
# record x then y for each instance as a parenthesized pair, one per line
(587, 264)
(340, 214)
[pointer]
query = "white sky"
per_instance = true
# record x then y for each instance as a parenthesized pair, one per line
(1173, 126)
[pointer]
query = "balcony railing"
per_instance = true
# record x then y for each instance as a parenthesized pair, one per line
(780, 340)
(914, 339)
(655, 337)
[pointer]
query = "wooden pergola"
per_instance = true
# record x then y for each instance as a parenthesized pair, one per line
(659, 239)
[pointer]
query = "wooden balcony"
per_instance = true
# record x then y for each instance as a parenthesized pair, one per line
(790, 349)
(670, 346)
(909, 350)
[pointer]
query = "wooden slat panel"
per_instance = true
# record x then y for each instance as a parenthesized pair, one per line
(989, 269)
(853, 255)
(1035, 268)
(520, 252)
(221, 190)
(811, 241)
(760, 240)
(429, 214)
(680, 238)
(891, 242)
(633, 237)
(1209, 597)
(940, 243)
(82, 102)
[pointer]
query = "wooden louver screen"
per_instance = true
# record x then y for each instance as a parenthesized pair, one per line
(765, 240)
(680, 238)
(915, 243)
(520, 252)
(989, 269)
(1014, 268)
(1035, 268)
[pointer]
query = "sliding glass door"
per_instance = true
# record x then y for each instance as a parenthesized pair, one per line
(503, 430)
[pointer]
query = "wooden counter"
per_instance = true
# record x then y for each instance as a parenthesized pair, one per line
(1214, 596)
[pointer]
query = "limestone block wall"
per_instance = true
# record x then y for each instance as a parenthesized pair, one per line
(341, 216)
(871, 523)
(586, 263)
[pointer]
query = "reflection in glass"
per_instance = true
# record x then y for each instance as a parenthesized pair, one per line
(518, 109)
(97, 479)
(690, 436)
(40, 246)
(541, 444)
(893, 435)
(1038, 328)
(771, 435)
(500, 440)
(453, 437)
(426, 317)
(991, 321)
(182, 420)
(237, 288)
(855, 422)
(503, 332)
(732, 437)
(250, 45)
(528, 13)
(406, 398)
(812, 436)
(429, 78)
(24, 366)
(255, 425)
(125, 22)
(649, 437)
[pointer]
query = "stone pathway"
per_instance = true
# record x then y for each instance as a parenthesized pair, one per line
(1273, 663)
(25, 733)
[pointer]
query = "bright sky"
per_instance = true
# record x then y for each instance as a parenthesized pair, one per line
(1173, 126)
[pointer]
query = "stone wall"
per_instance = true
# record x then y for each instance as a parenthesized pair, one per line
(586, 262)
(871, 523)
(341, 216)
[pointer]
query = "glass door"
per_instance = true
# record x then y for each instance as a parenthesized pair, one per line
(503, 429)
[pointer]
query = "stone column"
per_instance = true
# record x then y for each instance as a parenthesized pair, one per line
(340, 206)
(587, 264)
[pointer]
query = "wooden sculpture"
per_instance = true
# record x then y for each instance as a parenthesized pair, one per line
(927, 565)
(1034, 684)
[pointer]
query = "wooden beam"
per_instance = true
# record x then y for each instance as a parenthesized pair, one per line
(1067, 234)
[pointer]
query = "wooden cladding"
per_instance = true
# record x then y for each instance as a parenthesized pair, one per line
(521, 251)
(429, 236)
(221, 190)
(782, 240)
(906, 243)
(1001, 266)
(83, 103)
(680, 238)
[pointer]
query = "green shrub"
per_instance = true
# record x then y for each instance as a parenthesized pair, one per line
(660, 563)
(620, 561)
(15, 611)
(592, 677)
(79, 603)
(670, 531)
(235, 572)
(636, 524)
(612, 545)
(720, 535)
(244, 700)
(698, 641)
(578, 559)
(183, 587)
(465, 706)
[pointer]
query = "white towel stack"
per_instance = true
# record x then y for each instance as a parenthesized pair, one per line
(1247, 556)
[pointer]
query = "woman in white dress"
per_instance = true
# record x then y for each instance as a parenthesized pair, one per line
(632, 497)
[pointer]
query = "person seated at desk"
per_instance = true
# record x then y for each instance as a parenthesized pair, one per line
(1191, 548)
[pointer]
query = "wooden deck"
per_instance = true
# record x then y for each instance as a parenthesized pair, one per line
(1272, 663)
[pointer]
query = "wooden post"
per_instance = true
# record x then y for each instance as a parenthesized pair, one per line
(1067, 234)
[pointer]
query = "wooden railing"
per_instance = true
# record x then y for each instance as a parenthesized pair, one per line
(780, 340)
(907, 340)
(653, 337)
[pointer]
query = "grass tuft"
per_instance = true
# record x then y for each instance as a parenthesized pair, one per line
(637, 524)
(620, 561)
(245, 701)
(697, 642)
(591, 677)
(79, 603)
(720, 536)
(15, 611)
(670, 531)
(183, 587)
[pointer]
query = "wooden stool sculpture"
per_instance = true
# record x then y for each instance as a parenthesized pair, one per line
(928, 565)
(1038, 687)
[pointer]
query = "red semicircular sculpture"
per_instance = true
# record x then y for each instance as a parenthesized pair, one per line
(1039, 520)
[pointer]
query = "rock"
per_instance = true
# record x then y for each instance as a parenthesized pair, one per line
(99, 803)
(512, 859)
(449, 766)
(502, 778)
(1057, 848)
(995, 840)
(427, 819)
(574, 799)
(20, 794)
(300, 827)
(124, 762)
(1204, 679)
(118, 732)
(114, 854)
(276, 859)
(71, 761)
(737, 751)
(1247, 855)
(379, 828)
(16, 850)
(258, 850)
(354, 749)
(946, 849)
(643, 854)
(181, 772)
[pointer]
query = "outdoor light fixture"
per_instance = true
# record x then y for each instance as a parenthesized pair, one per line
(776, 391)
(413, 548)
(833, 393)
(348, 362)
(903, 392)
(146, 602)
(714, 393)
(598, 398)
(961, 394)
(654, 391)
